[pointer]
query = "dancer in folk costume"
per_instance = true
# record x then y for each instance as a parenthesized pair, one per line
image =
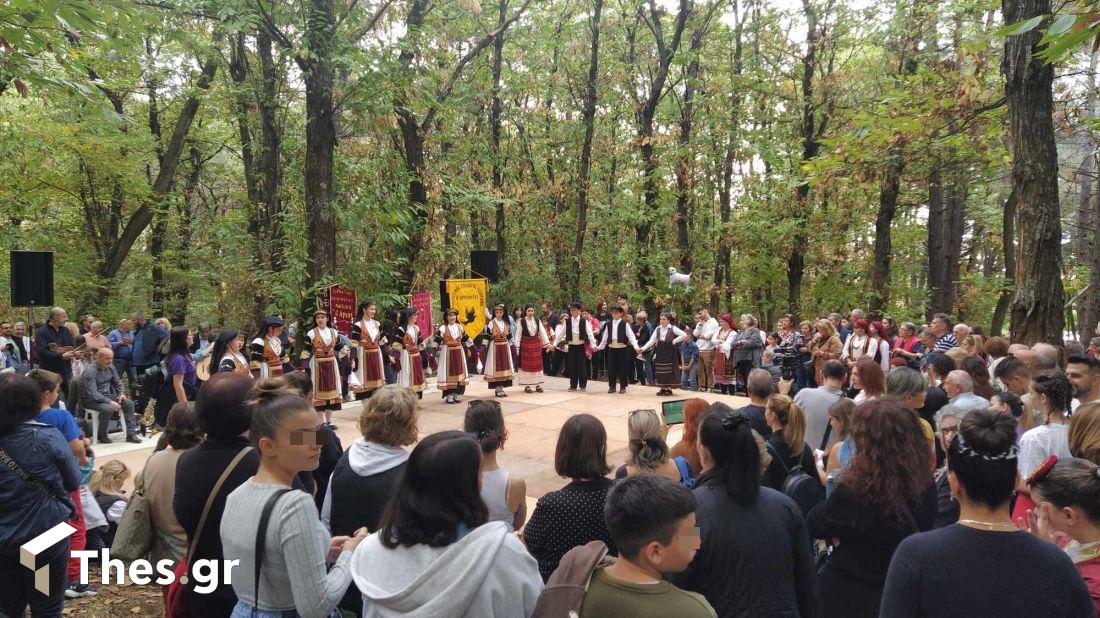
(725, 370)
(666, 366)
(575, 332)
(227, 356)
(453, 376)
(322, 344)
(366, 336)
(410, 370)
(533, 344)
(498, 361)
(268, 357)
(621, 348)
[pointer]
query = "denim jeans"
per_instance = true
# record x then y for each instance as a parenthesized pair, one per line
(18, 591)
(244, 610)
(689, 380)
(125, 368)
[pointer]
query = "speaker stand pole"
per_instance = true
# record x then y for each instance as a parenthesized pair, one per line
(30, 321)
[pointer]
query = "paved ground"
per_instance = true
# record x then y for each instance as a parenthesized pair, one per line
(533, 421)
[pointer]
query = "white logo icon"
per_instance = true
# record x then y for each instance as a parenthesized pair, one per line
(29, 551)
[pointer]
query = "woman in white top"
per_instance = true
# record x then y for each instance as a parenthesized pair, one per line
(532, 342)
(1051, 394)
(452, 358)
(504, 494)
(666, 367)
(857, 344)
(366, 337)
(410, 372)
(324, 342)
(498, 358)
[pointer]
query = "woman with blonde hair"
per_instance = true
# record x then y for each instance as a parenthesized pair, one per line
(787, 442)
(105, 485)
(1084, 432)
(648, 449)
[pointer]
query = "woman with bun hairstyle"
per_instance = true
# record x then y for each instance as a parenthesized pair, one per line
(272, 529)
(648, 451)
(504, 494)
(1051, 395)
(453, 373)
(983, 565)
(755, 557)
(1067, 493)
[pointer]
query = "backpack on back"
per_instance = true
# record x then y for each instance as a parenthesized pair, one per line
(799, 486)
(564, 593)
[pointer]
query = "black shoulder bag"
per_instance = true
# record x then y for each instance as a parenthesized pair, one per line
(261, 539)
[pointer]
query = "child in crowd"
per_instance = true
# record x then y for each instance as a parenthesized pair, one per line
(689, 361)
(105, 486)
(652, 520)
(504, 494)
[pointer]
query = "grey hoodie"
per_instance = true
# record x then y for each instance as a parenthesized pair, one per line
(365, 458)
(487, 573)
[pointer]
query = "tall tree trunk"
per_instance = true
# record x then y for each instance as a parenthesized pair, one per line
(954, 222)
(588, 119)
(1008, 243)
(1086, 215)
(1091, 315)
(666, 51)
(176, 304)
(320, 148)
(884, 222)
(810, 134)
(1037, 313)
(494, 117)
(935, 270)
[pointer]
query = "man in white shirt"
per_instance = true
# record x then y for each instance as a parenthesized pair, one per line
(705, 329)
(618, 338)
(576, 332)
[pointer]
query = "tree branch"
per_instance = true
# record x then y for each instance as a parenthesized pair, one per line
(445, 91)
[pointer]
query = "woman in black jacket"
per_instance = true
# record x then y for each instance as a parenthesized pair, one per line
(787, 443)
(877, 502)
(755, 557)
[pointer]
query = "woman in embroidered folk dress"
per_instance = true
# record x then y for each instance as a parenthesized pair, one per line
(453, 375)
(365, 337)
(410, 370)
(267, 356)
(323, 343)
(227, 356)
(532, 341)
(666, 366)
(498, 361)
(725, 370)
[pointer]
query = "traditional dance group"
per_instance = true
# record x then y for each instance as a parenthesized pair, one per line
(391, 352)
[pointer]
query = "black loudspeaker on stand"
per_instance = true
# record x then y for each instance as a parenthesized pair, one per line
(31, 278)
(485, 264)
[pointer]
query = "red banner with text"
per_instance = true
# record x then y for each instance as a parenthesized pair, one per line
(340, 303)
(422, 302)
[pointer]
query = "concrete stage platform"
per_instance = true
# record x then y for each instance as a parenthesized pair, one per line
(532, 420)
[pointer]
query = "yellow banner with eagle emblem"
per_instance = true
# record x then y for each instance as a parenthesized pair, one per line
(469, 297)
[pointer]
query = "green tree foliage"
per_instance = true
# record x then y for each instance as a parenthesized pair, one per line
(94, 95)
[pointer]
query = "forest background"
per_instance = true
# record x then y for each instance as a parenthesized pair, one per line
(225, 160)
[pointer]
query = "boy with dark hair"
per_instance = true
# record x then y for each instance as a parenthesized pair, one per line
(652, 521)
